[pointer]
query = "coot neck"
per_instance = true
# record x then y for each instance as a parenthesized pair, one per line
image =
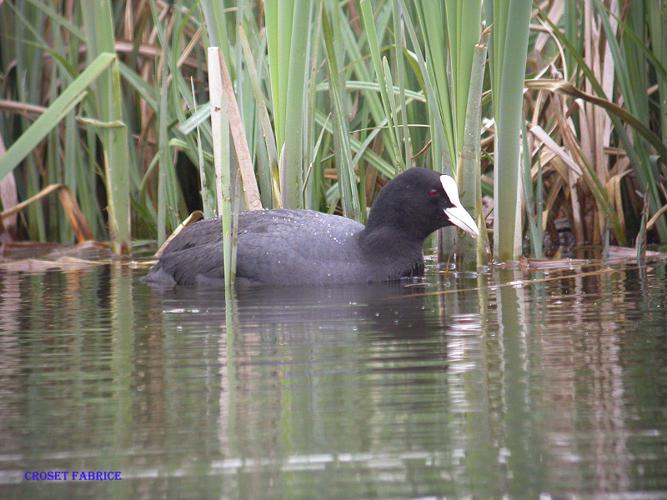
(389, 240)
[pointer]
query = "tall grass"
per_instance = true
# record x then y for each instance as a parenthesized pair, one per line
(100, 39)
(333, 99)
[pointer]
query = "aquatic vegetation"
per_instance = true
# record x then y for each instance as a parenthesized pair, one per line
(333, 99)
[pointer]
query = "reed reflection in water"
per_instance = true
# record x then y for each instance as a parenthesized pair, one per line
(457, 386)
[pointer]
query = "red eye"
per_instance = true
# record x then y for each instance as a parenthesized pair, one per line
(433, 193)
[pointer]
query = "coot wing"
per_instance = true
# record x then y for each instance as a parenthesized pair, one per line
(274, 247)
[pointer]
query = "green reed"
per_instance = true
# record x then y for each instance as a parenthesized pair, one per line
(333, 99)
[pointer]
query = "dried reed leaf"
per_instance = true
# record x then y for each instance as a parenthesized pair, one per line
(8, 198)
(70, 206)
(552, 196)
(195, 216)
(614, 189)
(250, 189)
(73, 213)
(540, 134)
(569, 89)
(546, 157)
(263, 116)
(554, 15)
(655, 217)
(567, 130)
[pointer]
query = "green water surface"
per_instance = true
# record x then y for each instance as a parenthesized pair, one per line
(460, 385)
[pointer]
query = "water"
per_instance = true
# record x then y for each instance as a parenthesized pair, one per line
(484, 386)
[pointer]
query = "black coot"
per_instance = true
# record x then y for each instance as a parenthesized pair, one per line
(290, 247)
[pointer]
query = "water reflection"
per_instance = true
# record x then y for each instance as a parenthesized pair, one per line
(482, 386)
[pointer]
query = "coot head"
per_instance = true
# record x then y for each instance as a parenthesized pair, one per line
(418, 202)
